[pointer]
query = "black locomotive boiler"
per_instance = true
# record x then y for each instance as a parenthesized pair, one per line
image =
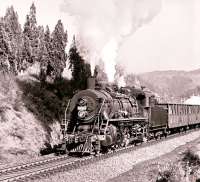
(103, 117)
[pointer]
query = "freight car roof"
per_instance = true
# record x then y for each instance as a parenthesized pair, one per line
(177, 104)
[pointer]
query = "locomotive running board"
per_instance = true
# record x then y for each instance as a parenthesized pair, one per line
(129, 119)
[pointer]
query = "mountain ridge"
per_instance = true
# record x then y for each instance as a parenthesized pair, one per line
(172, 85)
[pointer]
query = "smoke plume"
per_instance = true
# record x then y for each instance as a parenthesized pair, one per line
(103, 25)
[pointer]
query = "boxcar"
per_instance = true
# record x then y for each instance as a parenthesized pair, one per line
(168, 116)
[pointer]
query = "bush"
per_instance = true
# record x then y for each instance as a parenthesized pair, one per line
(168, 172)
(166, 176)
(191, 159)
(190, 163)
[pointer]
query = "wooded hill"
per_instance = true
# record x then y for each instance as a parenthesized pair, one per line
(172, 85)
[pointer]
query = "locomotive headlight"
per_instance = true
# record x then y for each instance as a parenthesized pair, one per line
(82, 114)
(82, 107)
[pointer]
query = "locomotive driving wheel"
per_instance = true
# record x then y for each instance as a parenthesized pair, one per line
(119, 140)
(124, 136)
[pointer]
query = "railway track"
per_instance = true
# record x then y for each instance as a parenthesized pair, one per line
(12, 169)
(45, 167)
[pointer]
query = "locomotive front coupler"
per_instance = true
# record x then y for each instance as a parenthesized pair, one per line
(95, 138)
(81, 138)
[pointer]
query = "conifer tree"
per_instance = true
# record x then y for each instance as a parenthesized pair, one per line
(26, 53)
(80, 69)
(27, 27)
(42, 52)
(11, 23)
(46, 63)
(33, 21)
(31, 34)
(14, 32)
(43, 55)
(5, 49)
(58, 56)
(47, 39)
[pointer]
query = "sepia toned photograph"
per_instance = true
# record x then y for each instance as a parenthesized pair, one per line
(100, 91)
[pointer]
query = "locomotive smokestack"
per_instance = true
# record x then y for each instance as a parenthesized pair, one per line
(91, 83)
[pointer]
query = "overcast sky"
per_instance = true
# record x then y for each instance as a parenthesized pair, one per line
(170, 41)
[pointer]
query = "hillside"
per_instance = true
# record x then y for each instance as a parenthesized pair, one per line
(29, 115)
(172, 85)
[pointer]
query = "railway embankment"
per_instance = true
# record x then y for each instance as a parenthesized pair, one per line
(179, 165)
(117, 168)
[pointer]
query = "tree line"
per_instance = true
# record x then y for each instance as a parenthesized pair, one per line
(21, 47)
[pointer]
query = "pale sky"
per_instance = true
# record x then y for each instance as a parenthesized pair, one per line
(170, 41)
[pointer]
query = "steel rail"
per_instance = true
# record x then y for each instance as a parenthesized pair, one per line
(31, 164)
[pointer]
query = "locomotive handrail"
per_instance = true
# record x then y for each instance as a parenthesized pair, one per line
(98, 114)
(107, 121)
(66, 121)
(128, 119)
(101, 106)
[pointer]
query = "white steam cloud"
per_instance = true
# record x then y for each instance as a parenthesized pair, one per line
(103, 25)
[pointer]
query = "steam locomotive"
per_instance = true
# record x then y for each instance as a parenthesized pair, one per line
(102, 117)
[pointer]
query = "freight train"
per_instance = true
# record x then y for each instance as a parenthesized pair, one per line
(102, 118)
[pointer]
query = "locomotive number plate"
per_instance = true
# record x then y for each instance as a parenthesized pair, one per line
(81, 108)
